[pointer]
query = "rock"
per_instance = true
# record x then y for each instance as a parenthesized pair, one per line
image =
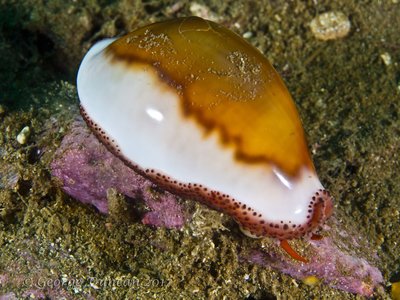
(335, 260)
(91, 174)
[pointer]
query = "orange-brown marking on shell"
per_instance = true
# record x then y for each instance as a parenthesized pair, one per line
(223, 83)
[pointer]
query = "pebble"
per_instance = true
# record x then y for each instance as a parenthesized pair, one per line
(311, 280)
(387, 59)
(23, 136)
(330, 25)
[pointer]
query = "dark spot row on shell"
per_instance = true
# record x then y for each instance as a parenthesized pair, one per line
(242, 213)
(100, 133)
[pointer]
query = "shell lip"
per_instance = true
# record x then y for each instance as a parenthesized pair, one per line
(320, 209)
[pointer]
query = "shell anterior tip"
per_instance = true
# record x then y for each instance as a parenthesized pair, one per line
(323, 207)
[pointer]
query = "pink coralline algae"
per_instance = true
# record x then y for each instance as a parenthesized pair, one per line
(335, 260)
(87, 170)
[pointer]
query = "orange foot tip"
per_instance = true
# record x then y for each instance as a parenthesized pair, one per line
(285, 246)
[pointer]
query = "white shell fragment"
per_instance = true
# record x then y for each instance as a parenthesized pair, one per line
(23, 136)
(330, 26)
(386, 58)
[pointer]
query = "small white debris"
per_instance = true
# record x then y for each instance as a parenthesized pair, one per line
(237, 25)
(278, 18)
(23, 136)
(330, 25)
(174, 8)
(94, 286)
(247, 35)
(387, 59)
(202, 11)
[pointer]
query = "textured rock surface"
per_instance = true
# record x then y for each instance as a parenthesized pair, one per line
(335, 260)
(88, 171)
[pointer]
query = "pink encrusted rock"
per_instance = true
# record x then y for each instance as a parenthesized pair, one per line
(336, 260)
(87, 170)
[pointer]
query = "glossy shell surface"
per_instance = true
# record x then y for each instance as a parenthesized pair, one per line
(194, 107)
